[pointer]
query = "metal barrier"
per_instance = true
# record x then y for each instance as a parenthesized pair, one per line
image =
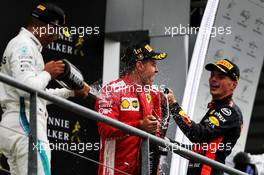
(90, 114)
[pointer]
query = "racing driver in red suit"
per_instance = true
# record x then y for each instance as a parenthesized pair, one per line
(131, 100)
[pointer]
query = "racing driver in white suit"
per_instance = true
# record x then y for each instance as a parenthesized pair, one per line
(23, 61)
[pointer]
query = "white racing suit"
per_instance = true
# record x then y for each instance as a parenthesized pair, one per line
(23, 61)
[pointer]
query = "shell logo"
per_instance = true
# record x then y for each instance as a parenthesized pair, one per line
(125, 104)
(214, 120)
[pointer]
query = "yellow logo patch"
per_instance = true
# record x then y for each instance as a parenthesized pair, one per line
(148, 97)
(185, 118)
(137, 51)
(160, 56)
(76, 133)
(129, 104)
(148, 48)
(125, 104)
(225, 63)
(212, 112)
(214, 120)
(182, 113)
(41, 7)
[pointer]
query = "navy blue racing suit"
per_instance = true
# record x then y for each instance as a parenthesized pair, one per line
(216, 134)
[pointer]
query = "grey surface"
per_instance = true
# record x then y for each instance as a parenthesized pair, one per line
(172, 70)
(145, 166)
(152, 15)
(161, 13)
(123, 15)
(255, 141)
(111, 61)
(172, 74)
(192, 40)
(32, 152)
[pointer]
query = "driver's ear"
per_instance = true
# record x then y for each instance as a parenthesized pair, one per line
(139, 65)
(234, 85)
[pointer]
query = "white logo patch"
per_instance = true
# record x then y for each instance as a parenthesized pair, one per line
(220, 117)
(226, 111)
(105, 111)
(105, 106)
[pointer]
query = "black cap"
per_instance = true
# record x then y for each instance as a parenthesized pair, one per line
(225, 66)
(142, 52)
(49, 13)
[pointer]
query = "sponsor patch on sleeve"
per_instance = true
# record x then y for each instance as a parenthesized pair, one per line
(185, 118)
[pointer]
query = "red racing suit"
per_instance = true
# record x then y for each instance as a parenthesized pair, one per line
(216, 134)
(126, 102)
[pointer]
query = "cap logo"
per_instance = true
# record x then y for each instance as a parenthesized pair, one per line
(41, 7)
(140, 56)
(137, 51)
(160, 56)
(148, 48)
(225, 63)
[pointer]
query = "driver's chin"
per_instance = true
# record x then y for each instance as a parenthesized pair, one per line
(212, 92)
(148, 83)
(151, 81)
(215, 94)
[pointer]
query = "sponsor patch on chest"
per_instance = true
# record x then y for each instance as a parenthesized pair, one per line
(214, 120)
(226, 111)
(129, 104)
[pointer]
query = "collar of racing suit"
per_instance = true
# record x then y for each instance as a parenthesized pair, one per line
(220, 102)
(127, 79)
(24, 31)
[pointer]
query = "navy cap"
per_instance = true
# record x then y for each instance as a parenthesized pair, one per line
(49, 13)
(225, 66)
(142, 52)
